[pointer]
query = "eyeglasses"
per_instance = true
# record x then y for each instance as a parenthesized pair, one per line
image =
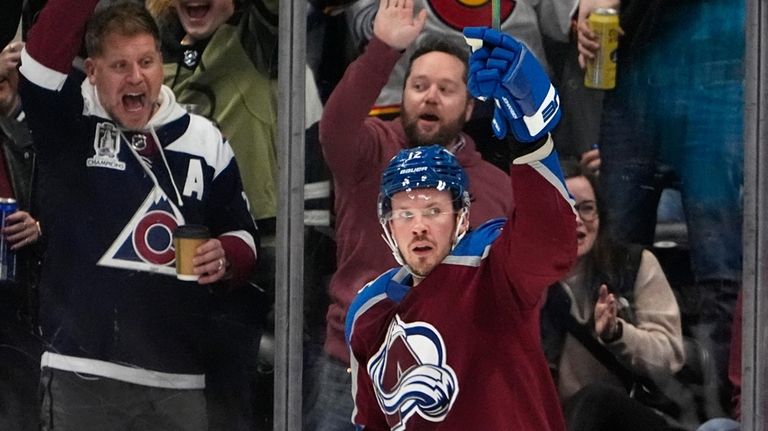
(406, 217)
(587, 210)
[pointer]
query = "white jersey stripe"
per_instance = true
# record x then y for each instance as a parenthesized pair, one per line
(41, 75)
(139, 376)
(467, 260)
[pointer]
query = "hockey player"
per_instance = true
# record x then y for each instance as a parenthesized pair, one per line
(121, 165)
(450, 340)
(357, 148)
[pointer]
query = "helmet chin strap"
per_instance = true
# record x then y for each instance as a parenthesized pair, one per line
(458, 234)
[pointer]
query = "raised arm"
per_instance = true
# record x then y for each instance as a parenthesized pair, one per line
(539, 240)
(50, 92)
(343, 135)
(55, 40)
(540, 237)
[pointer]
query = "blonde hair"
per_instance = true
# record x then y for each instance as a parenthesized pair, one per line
(159, 8)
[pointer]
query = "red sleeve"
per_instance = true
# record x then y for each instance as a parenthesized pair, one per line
(56, 37)
(240, 256)
(539, 241)
(343, 135)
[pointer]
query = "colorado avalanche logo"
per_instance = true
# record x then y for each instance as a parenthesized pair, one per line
(410, 375)
(458, 14)
(153, 238)
(146, 242)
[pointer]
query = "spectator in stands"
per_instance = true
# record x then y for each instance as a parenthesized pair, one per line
(527, 21)
(17, 155)
(683, 111)
(121, 165)
(530, 21)
(358, 147)
(220, 60)
(20, 349)
(618, 298)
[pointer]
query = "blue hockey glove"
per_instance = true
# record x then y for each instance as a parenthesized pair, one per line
(527, 104)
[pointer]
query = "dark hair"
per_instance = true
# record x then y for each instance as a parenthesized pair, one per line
(607, 257)
(125, 18)
(440, 44)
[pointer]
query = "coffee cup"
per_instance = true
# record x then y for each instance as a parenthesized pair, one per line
(186, 240)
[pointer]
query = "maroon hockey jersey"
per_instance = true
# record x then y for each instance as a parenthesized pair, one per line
(461, 351)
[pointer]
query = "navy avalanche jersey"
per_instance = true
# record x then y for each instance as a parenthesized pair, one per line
(109, 207)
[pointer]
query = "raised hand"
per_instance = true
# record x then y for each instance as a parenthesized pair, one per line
(606, 310)
(396, 25)
(527, 104)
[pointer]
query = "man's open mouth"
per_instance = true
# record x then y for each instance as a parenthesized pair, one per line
(134, 102)
(197, 10)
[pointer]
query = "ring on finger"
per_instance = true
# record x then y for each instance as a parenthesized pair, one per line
(221, 264)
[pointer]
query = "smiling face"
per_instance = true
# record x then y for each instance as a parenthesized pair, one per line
(127, 74)
(435, 100)
(200, 18)
(423, 223)
(586, 230)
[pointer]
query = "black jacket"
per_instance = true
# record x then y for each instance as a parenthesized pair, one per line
(19, 155)
(20, 159)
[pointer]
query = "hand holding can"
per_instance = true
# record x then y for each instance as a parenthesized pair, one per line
(601, 69)
(21, 229)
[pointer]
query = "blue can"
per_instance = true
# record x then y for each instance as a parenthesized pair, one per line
(8, 206)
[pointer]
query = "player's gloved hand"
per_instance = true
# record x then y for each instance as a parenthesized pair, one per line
(527, 104)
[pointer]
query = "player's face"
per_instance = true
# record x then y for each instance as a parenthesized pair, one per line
(423, 223)
(435, 100)
(127, 75)
(200, 18)
(587, 223)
